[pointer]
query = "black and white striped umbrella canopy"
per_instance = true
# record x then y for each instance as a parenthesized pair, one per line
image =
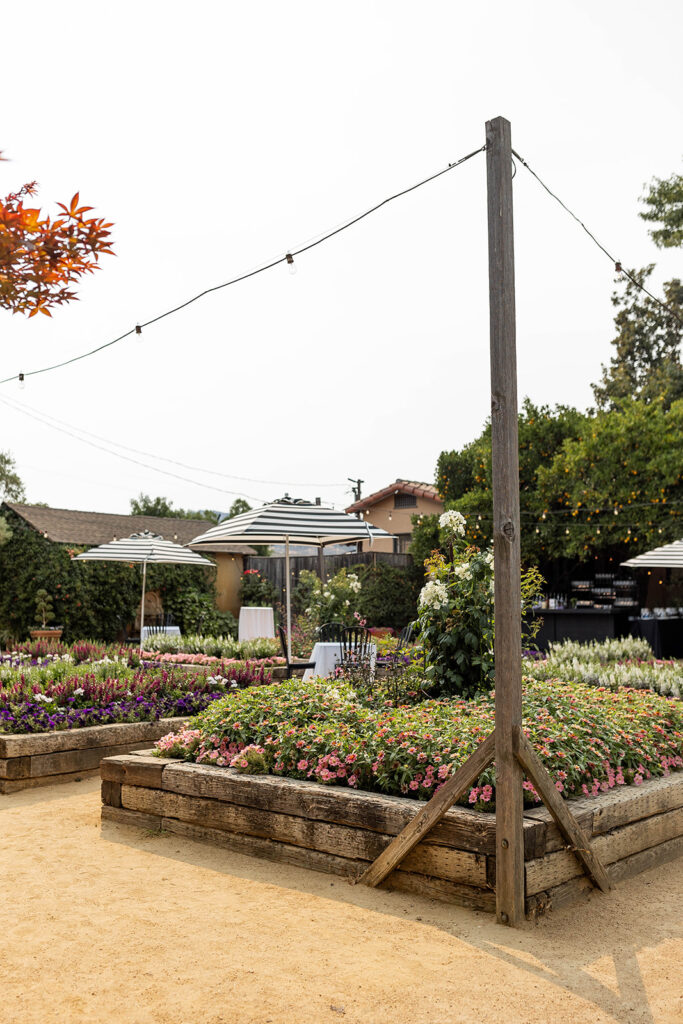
(143, 547)
(301, 522)
(669, 556)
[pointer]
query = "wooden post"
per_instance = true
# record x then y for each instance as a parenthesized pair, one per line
(321, 564)
(506, 543)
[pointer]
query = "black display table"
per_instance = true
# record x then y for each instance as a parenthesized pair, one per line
(582, 624)
(665, 636)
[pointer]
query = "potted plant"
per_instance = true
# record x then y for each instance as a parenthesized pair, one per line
(45, 614)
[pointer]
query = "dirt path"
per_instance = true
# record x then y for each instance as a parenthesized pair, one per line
(110, 925)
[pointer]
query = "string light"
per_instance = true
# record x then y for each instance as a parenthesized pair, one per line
(291, 265)
(259, 269)
(138, 332)
(22, 382)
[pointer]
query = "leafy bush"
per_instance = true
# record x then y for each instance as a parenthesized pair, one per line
(196, 612)
(388, 594)
(590, 740)
(257, 591)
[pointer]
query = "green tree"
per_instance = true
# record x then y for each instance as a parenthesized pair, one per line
(542, 432)
(11, 487)
(616, 489)
(647, 363)
(144, 505)
(665, 207)
(238, 506)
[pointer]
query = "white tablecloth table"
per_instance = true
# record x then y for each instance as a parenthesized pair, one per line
(327, 656)
(255, 623)
(168, 630)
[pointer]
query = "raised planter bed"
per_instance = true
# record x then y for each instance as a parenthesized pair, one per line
(38, 759)
(340, 831)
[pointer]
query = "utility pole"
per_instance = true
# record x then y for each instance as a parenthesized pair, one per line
(506, 520)
(356, 490)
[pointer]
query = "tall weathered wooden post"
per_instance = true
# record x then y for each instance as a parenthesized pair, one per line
(507, 744)
(506, 525)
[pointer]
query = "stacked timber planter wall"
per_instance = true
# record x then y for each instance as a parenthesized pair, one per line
(340, 831)
(39, 759)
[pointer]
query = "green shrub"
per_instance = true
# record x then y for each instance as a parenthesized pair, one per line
(388, 594)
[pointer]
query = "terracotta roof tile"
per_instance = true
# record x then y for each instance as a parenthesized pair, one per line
(416, 487)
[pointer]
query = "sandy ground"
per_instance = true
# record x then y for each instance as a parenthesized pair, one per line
(107, 924)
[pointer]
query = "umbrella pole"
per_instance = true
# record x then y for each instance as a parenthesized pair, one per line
(289, 601)
(142, 603)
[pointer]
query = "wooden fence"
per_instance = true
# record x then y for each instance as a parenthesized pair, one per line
(273, 568)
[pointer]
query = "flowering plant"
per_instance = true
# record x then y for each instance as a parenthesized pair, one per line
(612, 664)
(455, 612)
(590, 740)
(333, 600)
(57, 694)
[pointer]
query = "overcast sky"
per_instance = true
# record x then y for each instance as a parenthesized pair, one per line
(218, 135)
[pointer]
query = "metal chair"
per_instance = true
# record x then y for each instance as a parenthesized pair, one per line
(330, 632)
(355, 645)
(294, 664)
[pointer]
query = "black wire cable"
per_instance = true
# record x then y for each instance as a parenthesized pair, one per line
(252, 273)
(618, 266)
(137, 462)
(12, 403)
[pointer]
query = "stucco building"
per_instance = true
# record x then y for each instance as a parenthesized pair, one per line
(392, 508)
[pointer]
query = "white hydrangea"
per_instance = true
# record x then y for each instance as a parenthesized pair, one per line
(462, 571)
(488, 557)
(453, 521)
(354, 582)
(433, 595)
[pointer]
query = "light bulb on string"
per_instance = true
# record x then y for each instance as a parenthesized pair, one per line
(291, 265)
(22, 382)
(138, 333)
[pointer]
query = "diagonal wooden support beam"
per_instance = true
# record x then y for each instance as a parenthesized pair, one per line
(564, 819)
(431, 814)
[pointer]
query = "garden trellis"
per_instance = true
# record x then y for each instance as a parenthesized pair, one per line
(507, 744)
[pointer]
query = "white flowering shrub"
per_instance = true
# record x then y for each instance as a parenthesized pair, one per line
(335, 600)
(455, 613)
(433, 596)
(453, 523)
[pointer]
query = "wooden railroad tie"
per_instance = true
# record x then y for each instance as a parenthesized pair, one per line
(435, 809)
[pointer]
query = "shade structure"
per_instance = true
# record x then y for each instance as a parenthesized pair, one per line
(668, 556)
(294, 522)
(145, 548)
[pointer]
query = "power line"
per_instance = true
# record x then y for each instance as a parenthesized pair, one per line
(128, 458)
(22, 407)
(618, 266)
(286, 258)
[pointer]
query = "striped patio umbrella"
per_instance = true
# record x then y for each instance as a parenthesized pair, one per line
(295, 522)
(668, 556)
(145, 548)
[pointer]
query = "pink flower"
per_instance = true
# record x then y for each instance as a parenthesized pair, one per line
(413, 784)
(302, 765)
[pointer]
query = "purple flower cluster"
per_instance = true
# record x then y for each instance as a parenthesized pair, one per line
(29, 716)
